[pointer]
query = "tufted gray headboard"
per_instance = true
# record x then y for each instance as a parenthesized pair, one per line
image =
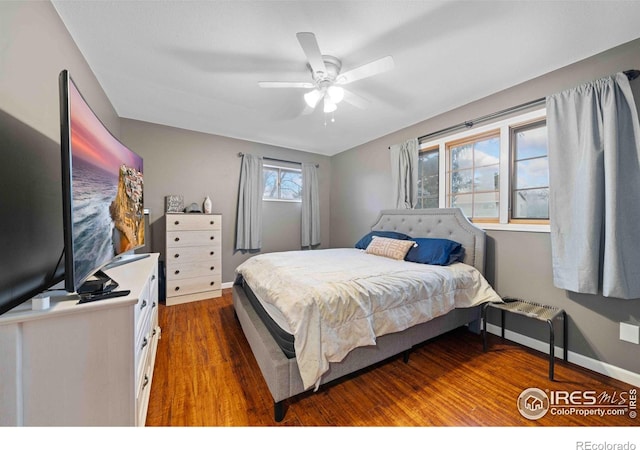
(447, 223)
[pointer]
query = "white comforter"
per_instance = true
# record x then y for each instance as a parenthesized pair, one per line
(335, 300)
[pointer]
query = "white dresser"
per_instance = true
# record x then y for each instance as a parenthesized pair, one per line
(193, 260)
(82, 364)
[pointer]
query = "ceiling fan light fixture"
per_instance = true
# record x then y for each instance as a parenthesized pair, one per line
(336, 93)
(329, 106)
(327, 78)
(313, 97)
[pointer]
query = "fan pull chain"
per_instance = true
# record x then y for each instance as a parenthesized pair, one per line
(333, 119)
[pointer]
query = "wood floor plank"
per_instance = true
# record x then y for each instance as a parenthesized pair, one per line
(206, 375)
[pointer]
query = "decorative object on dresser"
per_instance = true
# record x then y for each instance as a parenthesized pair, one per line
(206, 205)
(85, 364)
(193, 259)
(193, 208)
(174, 203)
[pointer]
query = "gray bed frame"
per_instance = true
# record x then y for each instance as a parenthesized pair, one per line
(281, 373)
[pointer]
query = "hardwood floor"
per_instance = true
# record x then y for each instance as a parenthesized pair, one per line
(206, 375)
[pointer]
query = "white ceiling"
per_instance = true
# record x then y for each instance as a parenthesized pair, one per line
(196, 64)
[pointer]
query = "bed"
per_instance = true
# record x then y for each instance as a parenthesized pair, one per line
(301, 348)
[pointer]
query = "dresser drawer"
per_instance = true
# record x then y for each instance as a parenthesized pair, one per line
(191, 238)
(180, 222)
(142, 307)
(143, 386)
(193, 285)
(189, 254)
(141, 357)
(184, 269)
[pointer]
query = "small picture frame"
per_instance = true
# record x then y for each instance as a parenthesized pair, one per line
(174, 203)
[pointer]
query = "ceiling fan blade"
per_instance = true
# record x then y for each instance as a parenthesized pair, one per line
(366, 70)
(310, 47)
(285, 84)
(356, 100)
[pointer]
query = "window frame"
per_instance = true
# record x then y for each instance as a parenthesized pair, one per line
(504, 126)
(512, 151)
(421, 198)
(278, 178)
(472, 139)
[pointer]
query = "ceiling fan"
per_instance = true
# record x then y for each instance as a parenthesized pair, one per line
(327, 80)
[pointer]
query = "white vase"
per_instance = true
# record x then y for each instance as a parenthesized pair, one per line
(206, 206)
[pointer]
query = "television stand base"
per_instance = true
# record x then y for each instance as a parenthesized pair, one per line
(102, 296)
(98, 283)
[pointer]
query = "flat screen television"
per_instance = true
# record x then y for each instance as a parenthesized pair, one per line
(103, 208)
(31, 236)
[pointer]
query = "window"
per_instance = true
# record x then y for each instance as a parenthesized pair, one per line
(428, 179)
(530, 175)
(473, 173)
(282, 183)
(497, 174)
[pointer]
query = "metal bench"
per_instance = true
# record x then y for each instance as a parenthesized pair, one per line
(535, 311)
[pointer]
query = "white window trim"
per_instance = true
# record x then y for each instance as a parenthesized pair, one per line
(504, 125)
(283, 200)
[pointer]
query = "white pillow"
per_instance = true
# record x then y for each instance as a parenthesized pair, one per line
(391, 248)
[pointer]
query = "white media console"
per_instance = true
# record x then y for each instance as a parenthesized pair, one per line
(85, 364)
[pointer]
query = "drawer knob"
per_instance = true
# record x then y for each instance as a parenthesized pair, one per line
(212, 268)
(212, 283)
(146, 381)
(212, 238)
(177, 222)
(144, 303)
(144, 343)
(177, 239)
(177, 272)
(211, 223)
(212, 253)
(177, 255)
(177, 288)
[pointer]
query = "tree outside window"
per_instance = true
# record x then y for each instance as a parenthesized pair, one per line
(282, 183)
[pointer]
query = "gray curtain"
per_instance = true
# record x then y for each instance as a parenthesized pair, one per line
(249, 220)
(594, 204)
(310, 206)
(404, 173)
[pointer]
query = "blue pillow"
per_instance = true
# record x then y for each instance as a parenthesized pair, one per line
(366, 239)
(441, 252)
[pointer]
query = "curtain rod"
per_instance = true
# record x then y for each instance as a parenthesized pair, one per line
(471, 123)
(631, 75)
(279, 160)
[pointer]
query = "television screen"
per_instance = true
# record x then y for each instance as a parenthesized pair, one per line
(102, 190)
(31, 231)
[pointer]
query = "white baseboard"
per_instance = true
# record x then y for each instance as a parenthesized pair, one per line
(575, 358)
(227, 285)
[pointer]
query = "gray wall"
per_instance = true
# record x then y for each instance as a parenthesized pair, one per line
(34, 47)
(518, 263)
(193, 164)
